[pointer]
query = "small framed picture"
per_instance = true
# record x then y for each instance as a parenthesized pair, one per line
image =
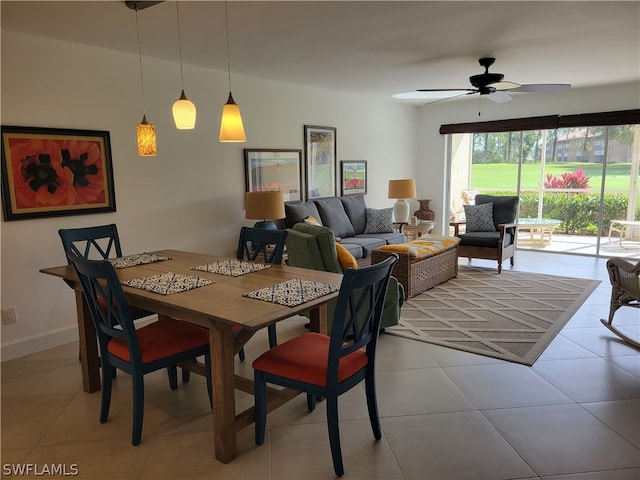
(48, 172)
(274, 170)
(353, 177)
(320, 155)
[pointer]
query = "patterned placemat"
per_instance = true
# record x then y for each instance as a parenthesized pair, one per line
(293, 292)
(137, 259)
(168, 283)
(232, 267)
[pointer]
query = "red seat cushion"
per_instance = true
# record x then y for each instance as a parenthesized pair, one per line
(162, 339)
(305, 358)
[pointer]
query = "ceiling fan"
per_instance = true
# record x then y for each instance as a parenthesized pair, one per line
(495, 88)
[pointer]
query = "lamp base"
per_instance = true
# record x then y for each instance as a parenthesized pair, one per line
(265, 225)
(401, 211)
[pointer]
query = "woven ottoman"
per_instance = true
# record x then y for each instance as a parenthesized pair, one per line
(420, 273)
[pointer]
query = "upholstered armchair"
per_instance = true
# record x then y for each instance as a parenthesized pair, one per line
(490, 229)
(624, 275)
(314, 247)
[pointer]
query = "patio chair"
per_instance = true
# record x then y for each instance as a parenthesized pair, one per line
(625, 292)
(490, 230)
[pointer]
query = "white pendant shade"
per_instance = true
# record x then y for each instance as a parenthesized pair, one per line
(231, 128)
(184, 113)
(146, 133)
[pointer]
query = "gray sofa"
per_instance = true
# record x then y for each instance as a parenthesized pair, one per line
(347, 217)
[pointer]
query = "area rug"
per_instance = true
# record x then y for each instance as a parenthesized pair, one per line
(511, 316)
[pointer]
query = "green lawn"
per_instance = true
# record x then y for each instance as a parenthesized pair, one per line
(503, 176)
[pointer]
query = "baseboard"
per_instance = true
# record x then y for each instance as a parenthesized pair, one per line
(27, 346)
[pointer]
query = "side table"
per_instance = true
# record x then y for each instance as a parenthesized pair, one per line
(412, 232)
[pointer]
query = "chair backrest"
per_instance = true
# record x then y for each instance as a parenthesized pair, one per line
(107, 303)
(358, 313)
(314, 247)
(256, 241)
(505, 209)
(94, 243)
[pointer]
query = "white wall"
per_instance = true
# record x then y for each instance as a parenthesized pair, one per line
(190, 196)
(432, 169)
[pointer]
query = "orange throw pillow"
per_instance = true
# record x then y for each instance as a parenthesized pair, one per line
(345, 259)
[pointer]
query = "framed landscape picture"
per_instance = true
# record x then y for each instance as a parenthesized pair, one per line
(320, 157)
(49, 172)
(353, 177)
(274, 170)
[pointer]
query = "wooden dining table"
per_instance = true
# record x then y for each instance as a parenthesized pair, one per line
(218, 307)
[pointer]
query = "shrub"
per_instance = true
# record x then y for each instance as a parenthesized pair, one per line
(575, 179)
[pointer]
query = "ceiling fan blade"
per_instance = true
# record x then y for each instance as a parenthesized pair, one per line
(543, 87)
(447, 90)
(500, 86)
(448, 98)
(499, 97)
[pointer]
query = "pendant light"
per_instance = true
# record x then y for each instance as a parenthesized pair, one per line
(184, 111)
(146, 132)
(231, 128)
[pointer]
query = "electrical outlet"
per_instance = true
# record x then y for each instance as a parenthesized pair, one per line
(9, 316)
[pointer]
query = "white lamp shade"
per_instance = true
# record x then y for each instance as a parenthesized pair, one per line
(231, 128)
(184, 113)
(146, 136)
(264, 205)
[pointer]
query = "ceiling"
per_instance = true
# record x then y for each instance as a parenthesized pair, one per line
(369, 47)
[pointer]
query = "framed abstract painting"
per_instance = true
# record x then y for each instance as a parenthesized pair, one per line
(48, 172)
(320, 157)
(279, 170)
(353, 177)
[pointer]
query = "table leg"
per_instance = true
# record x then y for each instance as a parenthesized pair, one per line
(89, 358)
(318, 319)
(223, 391)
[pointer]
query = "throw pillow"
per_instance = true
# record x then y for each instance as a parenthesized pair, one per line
(311, 220)
(479, 218)
(345, 259)
(379, 221)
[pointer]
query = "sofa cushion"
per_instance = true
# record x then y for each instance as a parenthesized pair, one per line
(479, 218)
(355, 207)
(297, 212)
(505, 209)
(334, 217)
(379, 221)
(367, 242)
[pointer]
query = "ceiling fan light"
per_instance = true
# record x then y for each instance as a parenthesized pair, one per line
(231, 127)
(146, 135)
(184, 113)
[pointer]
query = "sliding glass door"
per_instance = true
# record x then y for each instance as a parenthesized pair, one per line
(578, 185)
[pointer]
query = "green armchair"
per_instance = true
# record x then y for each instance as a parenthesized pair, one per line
(314, 247)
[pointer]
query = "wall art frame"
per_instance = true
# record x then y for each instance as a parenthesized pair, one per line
(353, 177)
(274, 169)
(320, 161)
(51, 172)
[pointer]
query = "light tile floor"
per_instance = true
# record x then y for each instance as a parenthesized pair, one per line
(445, 414)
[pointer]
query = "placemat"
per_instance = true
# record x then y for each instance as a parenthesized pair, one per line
(293, 292)
(137, 259)
(232, 267)
(168, 283)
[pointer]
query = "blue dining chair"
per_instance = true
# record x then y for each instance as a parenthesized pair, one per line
(158, 345)
(328, 366)
(255, 244)
(100, 243)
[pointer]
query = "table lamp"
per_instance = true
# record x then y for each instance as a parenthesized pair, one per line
(266, 207)
(401, 190)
